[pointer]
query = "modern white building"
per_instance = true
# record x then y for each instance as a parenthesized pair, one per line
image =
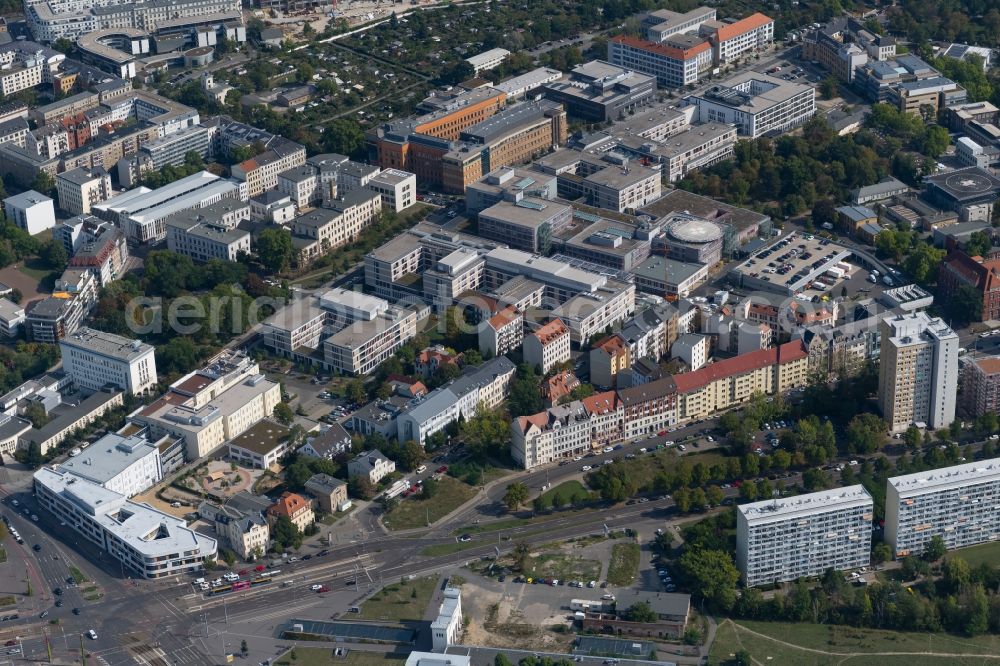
(787, 538)
(95, 359)
(756, 103)
(693, 349)
(126, 465)
(148, 542)
(32, 211)
(958, 504)
(918, 371)
(488, 59)
(205, 240)
(445, 630)
(11, 318)
(397, 188)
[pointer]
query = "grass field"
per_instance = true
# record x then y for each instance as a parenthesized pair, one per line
(572, 492)
(563, 567)
(314, 656)
(988, 553)
(411, 513)
(823, 645)
(77, 575)
(400, 601)
(448, 548)
(624, 566)
(7, 601)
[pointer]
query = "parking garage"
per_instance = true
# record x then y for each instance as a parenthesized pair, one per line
(793, 264)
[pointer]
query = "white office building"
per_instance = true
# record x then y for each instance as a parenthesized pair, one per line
(147, 542)
(446, 629)
(918, 371)
(125, 465)
(397, 188)
(756, 103)
(959, 504)
(786, 538)
(32, 211)
(95, 359)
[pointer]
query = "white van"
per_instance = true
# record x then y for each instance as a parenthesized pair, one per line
(421, 469)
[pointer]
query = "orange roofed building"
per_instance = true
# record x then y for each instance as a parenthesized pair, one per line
(565, 431)
(558, 386)
(501, 333)
(294, 507)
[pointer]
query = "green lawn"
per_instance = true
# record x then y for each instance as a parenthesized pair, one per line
(3, 555)
(988, 553)
(449, 548)
(7, 601)
(824, 645)
(572, 492)
(314, 656)
(397, 602)
(411, 513)
(78, 576)
(624, 566)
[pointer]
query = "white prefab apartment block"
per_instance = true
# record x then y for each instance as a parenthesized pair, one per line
(95, 359)
(790, 537)
(961, 504)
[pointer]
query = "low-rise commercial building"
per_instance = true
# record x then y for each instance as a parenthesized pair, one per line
(371, 465)
(262, 445)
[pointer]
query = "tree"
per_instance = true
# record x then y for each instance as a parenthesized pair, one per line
(881, 553)
(935, 549)
(486, 433)
(712, 575)
(411, 455)
(640, 611)
(44, 183)
(516, 495)
(355, 392)
(286, 533)
(828, 87)
(361, 487)
(54, 254)
(178, 355)
(283, 413)
(35, 413)
(912, 437)
(521, 553)
(979, 244)
(343, 136)
(865, 433)
(275, 250)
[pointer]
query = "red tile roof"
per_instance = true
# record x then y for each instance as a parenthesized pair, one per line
(601, 403)
(738, 365)
(506, 316)
(288, 505)
(661, 49)
(742, 26)
(990, 366)
(612, 344)
(551, 331)
(524, 423)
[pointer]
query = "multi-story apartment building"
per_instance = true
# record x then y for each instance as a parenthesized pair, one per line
(649, 408)
(79, 189)
(341, 223)
(148, 542)
(734, 380)
(981, 385)
(958, 504)
(918, 371)
(11, 318)
(756, 103)
(675, 62)
(302, 184)
(564, 431)
(547, 346)
(787, 538)
(527, 224)
(608, 359)
(484, 386)
(501, 333)
(95, 359)
(260, 173)
(245, 533)
(362, 346)
(296, 508)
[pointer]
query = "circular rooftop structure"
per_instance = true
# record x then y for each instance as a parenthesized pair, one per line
(969, 183)
(688, 229)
